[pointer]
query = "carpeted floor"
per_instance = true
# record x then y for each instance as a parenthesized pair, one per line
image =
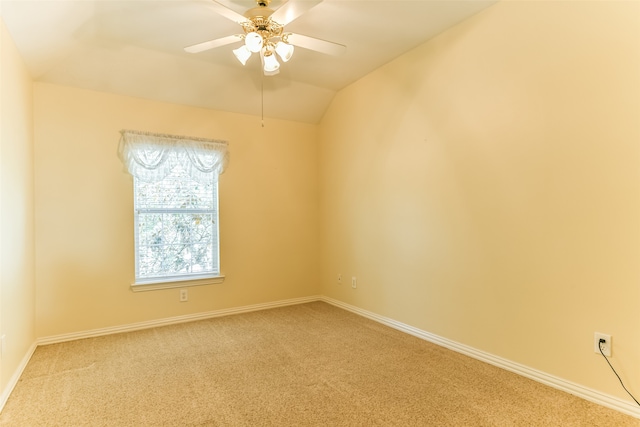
(305, 365)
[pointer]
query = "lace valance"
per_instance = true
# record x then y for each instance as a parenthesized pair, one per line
(151, 157)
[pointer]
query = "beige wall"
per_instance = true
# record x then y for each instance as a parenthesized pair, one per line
(84, 210)
(17, 282)
(485, 187)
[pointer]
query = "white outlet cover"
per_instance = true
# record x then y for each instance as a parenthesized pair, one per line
(606, 348)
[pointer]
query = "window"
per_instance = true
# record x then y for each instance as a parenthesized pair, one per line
(176, 230)
(175, 186)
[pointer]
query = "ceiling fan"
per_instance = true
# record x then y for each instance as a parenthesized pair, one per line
(263, 33)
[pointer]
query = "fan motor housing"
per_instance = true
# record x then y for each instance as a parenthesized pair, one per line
(258, 12)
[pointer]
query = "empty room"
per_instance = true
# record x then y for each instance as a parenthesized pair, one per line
(319, 212)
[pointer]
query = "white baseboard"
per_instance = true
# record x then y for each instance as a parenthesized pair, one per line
(16, 376)
(591, 395)
(172, 320)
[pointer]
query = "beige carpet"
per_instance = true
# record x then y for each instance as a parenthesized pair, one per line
(305, 365)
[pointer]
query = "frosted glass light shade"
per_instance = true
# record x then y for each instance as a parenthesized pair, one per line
(253, 41)
(242, 53)
(271, 63)
(285, 50)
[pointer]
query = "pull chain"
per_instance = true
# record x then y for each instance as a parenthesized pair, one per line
(262, 96)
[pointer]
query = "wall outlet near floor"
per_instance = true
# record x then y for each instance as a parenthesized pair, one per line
(339, 279)
(354, 282)
(3, 344)
(606, 346)
(184, 295)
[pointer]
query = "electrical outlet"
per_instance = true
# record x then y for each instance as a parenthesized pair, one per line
(184, 295)
(606, 346)
(354, 282)
(3, 344)
(339, 279)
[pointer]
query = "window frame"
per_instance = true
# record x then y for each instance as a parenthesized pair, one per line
(181, 280)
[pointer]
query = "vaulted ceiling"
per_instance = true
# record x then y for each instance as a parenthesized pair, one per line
(135, 48)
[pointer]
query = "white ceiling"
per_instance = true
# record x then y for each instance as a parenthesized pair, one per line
(136, 48)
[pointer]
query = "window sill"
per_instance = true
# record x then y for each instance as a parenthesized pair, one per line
(157, 284)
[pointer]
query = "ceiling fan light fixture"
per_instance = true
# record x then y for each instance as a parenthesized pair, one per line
(270, 62)
(242, 53)
(253, 41)
(284, 50)
(264, 33)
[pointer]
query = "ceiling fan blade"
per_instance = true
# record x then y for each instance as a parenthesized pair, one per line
(318, 45)
(292, 9)
(200, 47)
(223, 10)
